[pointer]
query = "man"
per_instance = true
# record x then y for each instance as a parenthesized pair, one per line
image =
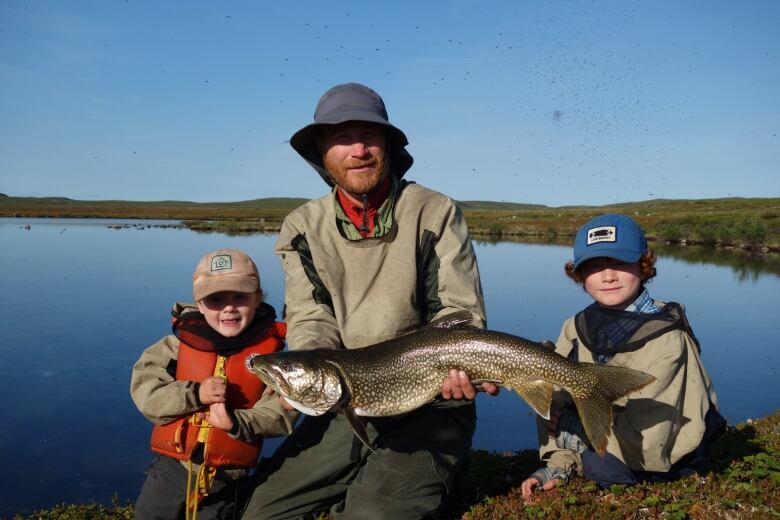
(376, 258)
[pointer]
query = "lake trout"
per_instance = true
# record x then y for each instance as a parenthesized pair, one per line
(405, 373)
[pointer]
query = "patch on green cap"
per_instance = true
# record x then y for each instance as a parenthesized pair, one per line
(221, 263)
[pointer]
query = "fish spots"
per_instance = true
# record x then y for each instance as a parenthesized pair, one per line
(400, 375)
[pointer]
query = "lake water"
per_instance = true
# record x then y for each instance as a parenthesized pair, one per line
(80, 301)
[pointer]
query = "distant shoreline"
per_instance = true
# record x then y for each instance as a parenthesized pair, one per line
(751, 224)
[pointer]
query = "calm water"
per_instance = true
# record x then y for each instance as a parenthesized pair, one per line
(79, 302)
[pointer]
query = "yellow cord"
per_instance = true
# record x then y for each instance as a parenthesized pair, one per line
(205, 478)
(187, 505)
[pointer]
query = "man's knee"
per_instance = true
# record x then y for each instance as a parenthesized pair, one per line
(399, 485)
(362, 502)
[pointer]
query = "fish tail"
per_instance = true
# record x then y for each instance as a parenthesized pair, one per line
(594, 403)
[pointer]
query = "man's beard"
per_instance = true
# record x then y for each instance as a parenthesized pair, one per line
(357, 183)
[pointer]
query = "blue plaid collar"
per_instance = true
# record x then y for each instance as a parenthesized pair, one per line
(643, 304)
(619, 330)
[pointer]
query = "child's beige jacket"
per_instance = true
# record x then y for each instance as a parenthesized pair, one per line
(656, 426)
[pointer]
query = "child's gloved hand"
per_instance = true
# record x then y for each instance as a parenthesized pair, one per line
(212, 390)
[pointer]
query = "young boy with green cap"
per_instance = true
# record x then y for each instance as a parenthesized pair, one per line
(208, 409)
(660, 432)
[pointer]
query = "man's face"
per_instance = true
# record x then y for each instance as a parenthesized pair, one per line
(354, 154)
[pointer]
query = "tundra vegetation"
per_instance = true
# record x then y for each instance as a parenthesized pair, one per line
(751, 224)
(742, 481)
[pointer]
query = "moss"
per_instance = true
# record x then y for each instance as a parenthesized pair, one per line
(92, 511)
(741, 481)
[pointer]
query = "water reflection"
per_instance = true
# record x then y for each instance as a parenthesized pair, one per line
(550, 240)
(747, 265)
(80, 305)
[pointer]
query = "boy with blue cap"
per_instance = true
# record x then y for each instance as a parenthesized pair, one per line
(660, 432)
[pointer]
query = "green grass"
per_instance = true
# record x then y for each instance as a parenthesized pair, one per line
(91, 511)
(741, 482)
(742, 223)
(752, 224)
(272, 209)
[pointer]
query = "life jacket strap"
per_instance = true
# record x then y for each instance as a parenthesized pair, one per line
(196, 419)
(205, 478)
(177, 444)
(198, 489)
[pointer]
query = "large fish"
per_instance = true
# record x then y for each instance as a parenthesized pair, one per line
(402, 374)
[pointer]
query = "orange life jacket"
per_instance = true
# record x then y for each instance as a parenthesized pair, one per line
(179, 438)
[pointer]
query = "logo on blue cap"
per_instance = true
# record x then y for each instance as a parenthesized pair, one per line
(602, 234)
(611, 236)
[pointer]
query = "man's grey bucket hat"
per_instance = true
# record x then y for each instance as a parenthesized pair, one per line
(351, 102)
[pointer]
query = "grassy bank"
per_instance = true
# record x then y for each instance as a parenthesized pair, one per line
(741, 223)
(259, 210)
(752, 224)
(741, 482)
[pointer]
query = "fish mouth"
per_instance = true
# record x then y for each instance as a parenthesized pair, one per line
(274, 378)
(270, 375)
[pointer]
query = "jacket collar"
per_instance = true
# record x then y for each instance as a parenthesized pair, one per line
(382, 215)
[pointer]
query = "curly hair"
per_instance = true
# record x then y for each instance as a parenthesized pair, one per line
(646, 268)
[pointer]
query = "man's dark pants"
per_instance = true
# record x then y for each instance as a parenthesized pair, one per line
(322, 466)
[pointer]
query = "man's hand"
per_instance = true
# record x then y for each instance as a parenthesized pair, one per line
(458, 386)
(212, 390)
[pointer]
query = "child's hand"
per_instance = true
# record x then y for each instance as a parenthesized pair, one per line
(219, 417)
(212, 390)
(529, 484)
(282, 401)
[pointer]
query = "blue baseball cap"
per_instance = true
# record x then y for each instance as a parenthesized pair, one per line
(611, 236)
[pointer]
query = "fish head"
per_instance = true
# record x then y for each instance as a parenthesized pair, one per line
(306, 381)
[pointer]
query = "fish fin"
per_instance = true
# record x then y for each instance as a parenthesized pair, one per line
(453, 320)
(303, 408)
(537, 394)
(549, 344)
(594, 405)
(358, 426)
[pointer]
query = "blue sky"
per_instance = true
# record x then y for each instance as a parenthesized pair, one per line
(554, 103)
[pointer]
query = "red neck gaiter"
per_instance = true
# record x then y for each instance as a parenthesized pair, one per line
(364, 217)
